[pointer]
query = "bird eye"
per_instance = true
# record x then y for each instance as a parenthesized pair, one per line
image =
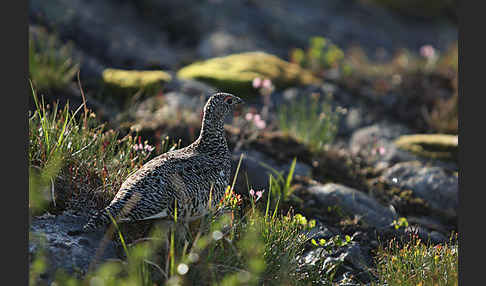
(228, 100)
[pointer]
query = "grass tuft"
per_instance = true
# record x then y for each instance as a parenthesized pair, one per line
(310, 121)
(418, 263)
(78, 160)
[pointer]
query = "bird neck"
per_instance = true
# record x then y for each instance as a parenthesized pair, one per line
(212, 133)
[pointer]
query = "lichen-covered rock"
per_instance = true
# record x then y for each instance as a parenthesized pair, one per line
(128, 82)
(435, 146)
(235, 73)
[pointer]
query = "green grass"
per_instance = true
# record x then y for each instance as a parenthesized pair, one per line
(310, 121)
(72, 153)
(418, 263)
(50, 63)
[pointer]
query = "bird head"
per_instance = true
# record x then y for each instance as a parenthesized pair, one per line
(221, 104)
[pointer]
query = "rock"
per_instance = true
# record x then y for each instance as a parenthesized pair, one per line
(438, 188)
(354, 256)
(353, 202)
(189, 87)
(351, 260)
(256, 167)
(221, 43)
(374, 144)
(435, 146)
(235, 73)
(96, 28)
(129, 82)
(73, 254)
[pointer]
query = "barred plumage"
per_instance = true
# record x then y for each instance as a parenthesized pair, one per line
(186, 176)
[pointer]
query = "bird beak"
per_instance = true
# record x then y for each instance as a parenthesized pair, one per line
(239, 101)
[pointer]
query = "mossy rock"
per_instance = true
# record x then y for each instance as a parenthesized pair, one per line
(435, 146)
(235, 73)
(129, 82)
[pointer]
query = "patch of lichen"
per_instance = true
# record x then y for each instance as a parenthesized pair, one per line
(434, 146)
(130, 82)
(235, 73)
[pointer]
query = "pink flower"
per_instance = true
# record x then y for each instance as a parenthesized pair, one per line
(149, 148)
(381, 150)
(257, 82)
(260, 124)
(249, 116)
(259, 194)
(267, 83)
(427, 52)
(252, 192)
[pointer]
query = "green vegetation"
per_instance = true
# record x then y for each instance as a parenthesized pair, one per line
(73, 153)
(312, 122)
(418, 263)
(321, 56)
(50, 64)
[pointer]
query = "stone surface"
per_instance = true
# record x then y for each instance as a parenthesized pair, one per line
(433, 184)
(255, 166)
(374, 144)
(235, 73)
(73, 254)
(353, 202)
(111, 31)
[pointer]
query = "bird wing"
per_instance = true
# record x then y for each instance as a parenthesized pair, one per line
(152, 190)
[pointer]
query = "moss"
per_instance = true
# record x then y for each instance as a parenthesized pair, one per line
(129, 82)
(235, 73)
(434, 146)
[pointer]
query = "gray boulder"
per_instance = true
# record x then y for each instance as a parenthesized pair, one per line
(353, 202)
(433, 184)
(257, 167)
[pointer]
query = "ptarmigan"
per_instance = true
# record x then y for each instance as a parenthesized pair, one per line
(186, 176)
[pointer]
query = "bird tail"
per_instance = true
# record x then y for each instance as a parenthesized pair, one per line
(97, 221)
